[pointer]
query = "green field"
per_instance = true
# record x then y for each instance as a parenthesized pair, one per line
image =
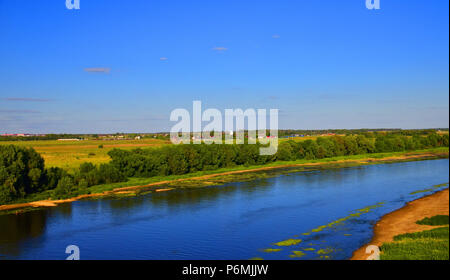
(424, 245)
(70, 154)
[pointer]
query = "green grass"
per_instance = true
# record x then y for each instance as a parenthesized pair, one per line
(70, 154)
(424, 245)
(438, 220)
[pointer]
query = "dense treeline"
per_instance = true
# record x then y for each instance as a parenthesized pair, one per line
(366, 132)
(22, 170)
(325, 147)
(184, 159)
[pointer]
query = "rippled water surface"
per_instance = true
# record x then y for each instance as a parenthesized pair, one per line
(323, 214)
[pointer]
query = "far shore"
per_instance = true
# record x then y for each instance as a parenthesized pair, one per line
(20, 207)
(404, 220)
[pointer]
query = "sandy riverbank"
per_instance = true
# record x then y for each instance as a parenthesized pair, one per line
(123, 190)
(404, 220)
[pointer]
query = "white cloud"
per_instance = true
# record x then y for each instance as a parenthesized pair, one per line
(220, 49)
(98, 70)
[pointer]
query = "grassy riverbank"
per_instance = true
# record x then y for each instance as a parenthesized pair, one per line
(413, 232)
(423, 245)
(136, 186)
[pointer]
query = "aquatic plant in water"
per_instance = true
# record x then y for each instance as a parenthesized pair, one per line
(352, 215)
(288, 242)
(270, 250)
(325, 251)
(322, 252)
(297, 254)
(432, 188)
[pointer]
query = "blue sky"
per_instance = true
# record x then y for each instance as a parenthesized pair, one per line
(123, 66)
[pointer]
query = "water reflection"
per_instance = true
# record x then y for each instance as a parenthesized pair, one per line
(16, 228)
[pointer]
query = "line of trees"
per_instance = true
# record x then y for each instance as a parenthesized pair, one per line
(281, 133)
(325, 147)
(366, 132)
(182, 159)
(22, 170)
(40, 137)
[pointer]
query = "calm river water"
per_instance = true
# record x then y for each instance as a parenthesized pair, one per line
(234, 221)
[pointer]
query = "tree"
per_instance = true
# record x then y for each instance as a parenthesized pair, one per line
(285, 152)
(21, 172)
(65, 188)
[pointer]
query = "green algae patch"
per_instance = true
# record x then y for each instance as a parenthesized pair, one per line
(432, 188)
(325, 251)
(297, 254)
(369, 208)
(319, 229)
(355, 215)
(422, 191)
(306, 233)
(270, 250)
(309, 249)
(256, 259)
(347, 234)
(288, 242)
(358, 213)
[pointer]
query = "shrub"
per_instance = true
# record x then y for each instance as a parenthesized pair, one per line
(65, 188)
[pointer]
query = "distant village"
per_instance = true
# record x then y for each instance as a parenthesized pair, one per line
(166, 136)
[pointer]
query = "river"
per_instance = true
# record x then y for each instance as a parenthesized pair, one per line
(331, 211)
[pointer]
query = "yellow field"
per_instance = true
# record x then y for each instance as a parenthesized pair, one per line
(298, 139)
(70, 154)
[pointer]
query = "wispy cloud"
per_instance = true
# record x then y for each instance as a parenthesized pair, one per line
(26, 99)
(98, 70)
(163, 58)
(150, 118)
(19, 111)
(220, 49)
(276, 36)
